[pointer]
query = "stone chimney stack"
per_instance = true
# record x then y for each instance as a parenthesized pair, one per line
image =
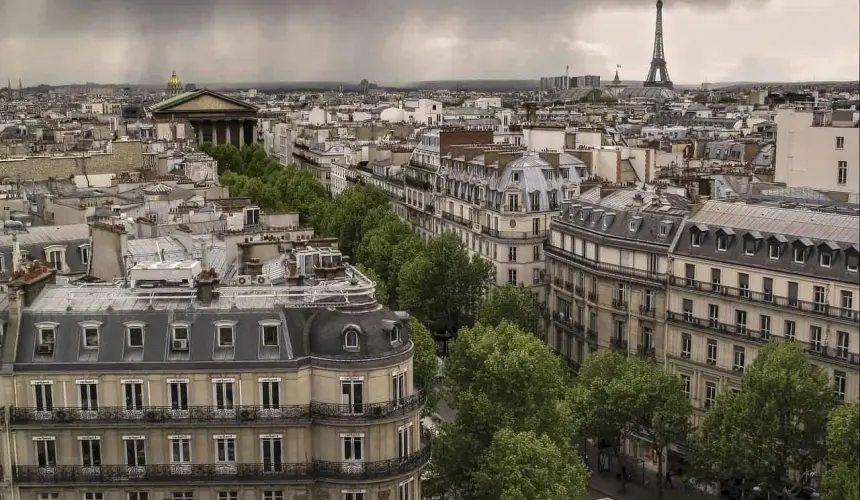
(27, 283)
(206, 284)
(109, 250)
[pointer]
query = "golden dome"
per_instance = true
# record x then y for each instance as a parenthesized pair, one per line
(174, 80)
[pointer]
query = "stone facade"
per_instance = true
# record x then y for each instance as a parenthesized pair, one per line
(126, 156)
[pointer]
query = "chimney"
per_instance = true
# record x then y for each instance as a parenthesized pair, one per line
(109, 241)
(28, 282)
(206, 282)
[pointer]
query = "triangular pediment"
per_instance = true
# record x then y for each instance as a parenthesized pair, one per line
(201, 101)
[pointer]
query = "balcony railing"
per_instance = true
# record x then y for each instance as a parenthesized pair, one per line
(568, 323)
(615, 269)
(418, 183)
(646, 310)
(246, 415)
(422, 165)
(372, 411)
(428, 207)
(591, 334)
(514, 235)
(220, 473)
(645, 350)
(832, 354)
(619, 303)
(456, 218)
(769, 298)
(618, 344)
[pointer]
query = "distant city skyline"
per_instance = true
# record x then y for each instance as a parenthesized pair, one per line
(401, 41)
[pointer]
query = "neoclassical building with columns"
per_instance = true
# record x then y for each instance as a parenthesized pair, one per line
(214, 117)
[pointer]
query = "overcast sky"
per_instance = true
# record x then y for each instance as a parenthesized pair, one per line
(397, 41)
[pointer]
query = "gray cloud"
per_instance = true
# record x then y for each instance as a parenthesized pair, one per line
(288, 40)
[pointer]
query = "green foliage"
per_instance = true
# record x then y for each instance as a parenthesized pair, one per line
(388, 243)
(842, 480)
(499, 378)
(381, 292)
(344, 217)
(443, 285)
(526, 466)
(776, 423)
(425, 364)
(604, 400)
(514, 304)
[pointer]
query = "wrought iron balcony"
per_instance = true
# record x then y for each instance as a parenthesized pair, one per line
(605, 267)
(369, 411)
(363, 471)
(619, 303)
(456, 218)
(567, 323)
(578, 291)
(645, 350)
(246, 415)
(646, 310)
(568, 286)
(161, 415)
(768, 298)
(591, 334)
(220, 473)
(832, 354)
(592, 297)
(619, 344)
(514, 235)
(428, 207)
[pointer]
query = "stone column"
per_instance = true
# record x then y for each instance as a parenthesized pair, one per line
(255, 139)
(214, 131)
(227, 125)
(241, 133)
(198, 129)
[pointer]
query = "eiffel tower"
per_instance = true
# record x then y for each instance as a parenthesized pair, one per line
(658, 61)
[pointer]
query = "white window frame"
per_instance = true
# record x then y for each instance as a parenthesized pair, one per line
(223, 448)
(355, 407)
(274, 390)
(224, 388)
(94, 495)
(270, 323)
(49, 450)
(129, 326)
(722, 242)
(354, 494)
(351, 338)
(90, 448)
(60, 251)
(86, 403)
(822, 256)
(802, 251)
(695, 239)
(180, 325)
(225, 324)
(176, 443)
(137, 495)
(90, 325)
(273, 495)
(773, 251)
(353, 438)
(394, 335)
(86, 253)
(228, 495)
(44, 327)
(46, 388)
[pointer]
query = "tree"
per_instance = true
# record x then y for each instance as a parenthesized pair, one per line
(425, 364)
(344, 216)
(387, 244)
(841, 482)
(381, 292)
(604, 400)
(443, 285)
(776, 423)
(515, 304)
(499, 378)
(664, 415)
(526, 466)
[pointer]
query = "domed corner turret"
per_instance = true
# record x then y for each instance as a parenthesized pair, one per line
(174, 86)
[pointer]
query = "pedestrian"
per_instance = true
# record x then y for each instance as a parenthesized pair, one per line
(669, 480)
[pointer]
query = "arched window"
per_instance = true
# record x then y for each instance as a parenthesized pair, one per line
(350, 337)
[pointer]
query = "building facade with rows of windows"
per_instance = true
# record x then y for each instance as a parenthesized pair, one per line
(748, 274)
(500, 201)
(607, 261)
(171, 386)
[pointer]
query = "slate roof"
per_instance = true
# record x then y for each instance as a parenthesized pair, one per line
(34, 241)
(617, 217)
(316, 330)
(786, 227)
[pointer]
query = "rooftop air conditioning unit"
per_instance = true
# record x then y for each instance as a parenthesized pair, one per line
(179, 345)
(262, 280)
(46, 349)
(244, 280)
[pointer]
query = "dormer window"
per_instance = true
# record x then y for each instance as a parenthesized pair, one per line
(350, 338)
(90, 333)
(662, 229)
(799, 255)
(695, 239)
(825, 258)
(224, 333)
(134, 334)
(179, 337)
(515, 176)
(851, 261)
(394, 334)
(631, 226)
(722, 242)
(47, 333)
(773, 251)
(85, 253)
(269, 333)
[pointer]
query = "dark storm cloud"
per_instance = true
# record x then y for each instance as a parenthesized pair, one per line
(275, 39)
